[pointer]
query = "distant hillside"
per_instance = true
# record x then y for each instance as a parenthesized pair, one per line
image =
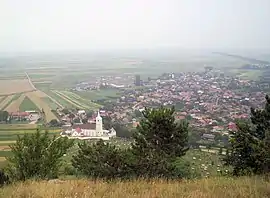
(214, 188)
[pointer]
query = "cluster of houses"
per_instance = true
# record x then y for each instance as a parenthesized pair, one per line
(31, 116)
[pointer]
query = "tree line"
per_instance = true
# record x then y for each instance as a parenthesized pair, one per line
(159, 145)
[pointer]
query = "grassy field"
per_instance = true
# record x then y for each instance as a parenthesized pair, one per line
(81, 100)
(28, 105)
(105, 94)
(69, 99)
(205, 188)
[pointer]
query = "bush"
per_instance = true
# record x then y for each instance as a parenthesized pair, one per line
(4, 179)
(36, 156)
(101, 160)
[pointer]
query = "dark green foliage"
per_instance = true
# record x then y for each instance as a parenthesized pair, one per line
(37, 156)
(65, 111)
(3, 116)
(122, 131)
(158, 144)
(159, 132)
(107, 122)
(4, 179)
(101, 160)
(54, 123)
(249, 152)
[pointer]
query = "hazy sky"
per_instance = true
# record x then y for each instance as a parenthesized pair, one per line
(44, 25)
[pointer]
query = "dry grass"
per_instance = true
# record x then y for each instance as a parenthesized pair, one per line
(9, 87)
(2, 159)
(206, 188)
(14, 106)
(36, 97)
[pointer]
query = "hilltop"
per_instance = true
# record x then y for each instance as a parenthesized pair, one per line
(220, 187)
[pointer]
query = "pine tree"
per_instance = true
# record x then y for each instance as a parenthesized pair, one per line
(249, 151)
(159, 140)
(37, 156)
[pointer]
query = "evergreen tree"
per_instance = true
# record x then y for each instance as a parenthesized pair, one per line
(249, 151)
(159, 140)
(37, 156)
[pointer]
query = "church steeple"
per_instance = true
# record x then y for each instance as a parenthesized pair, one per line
(99, 127)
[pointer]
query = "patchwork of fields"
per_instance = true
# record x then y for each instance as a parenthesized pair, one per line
(18, 94)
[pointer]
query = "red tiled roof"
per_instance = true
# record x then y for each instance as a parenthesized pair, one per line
(84, 126)
(20, 114)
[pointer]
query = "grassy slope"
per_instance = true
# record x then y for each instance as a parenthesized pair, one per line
(215, 188)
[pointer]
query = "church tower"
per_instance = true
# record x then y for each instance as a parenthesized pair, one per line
(99, 128)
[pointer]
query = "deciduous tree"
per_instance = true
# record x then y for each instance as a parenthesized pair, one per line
(37, 156)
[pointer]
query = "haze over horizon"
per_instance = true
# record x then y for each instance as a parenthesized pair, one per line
(36, 26)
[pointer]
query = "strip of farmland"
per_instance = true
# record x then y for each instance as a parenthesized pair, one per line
(14, 106)
(44, 95)
(34, 96)
(6, 101)
(70, 100)
(60, 100)
(93, 105)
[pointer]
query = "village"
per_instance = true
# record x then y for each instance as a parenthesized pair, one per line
(209, 100)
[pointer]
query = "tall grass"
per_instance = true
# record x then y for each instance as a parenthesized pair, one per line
(206, 188)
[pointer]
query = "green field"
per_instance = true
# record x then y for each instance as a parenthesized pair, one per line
(51, 104)
(63, 102)
(81, 100)
(28, 105)
(104, 94)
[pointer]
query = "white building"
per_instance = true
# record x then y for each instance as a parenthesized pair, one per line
(90, 131)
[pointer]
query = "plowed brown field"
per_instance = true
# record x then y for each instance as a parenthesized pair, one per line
(9, 87)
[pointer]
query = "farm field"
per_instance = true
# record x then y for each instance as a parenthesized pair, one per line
(14, 106)
(76, 100)
(107, 94)
(10, 87)
(6, 101)
(74, 103)
(77, 97)
(36, 98)
(27, 105)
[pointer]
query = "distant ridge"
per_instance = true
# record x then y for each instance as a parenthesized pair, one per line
(252, 60)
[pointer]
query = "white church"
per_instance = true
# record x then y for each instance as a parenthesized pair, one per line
(89, 131)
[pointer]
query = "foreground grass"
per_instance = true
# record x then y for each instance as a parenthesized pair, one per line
(215, 188)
